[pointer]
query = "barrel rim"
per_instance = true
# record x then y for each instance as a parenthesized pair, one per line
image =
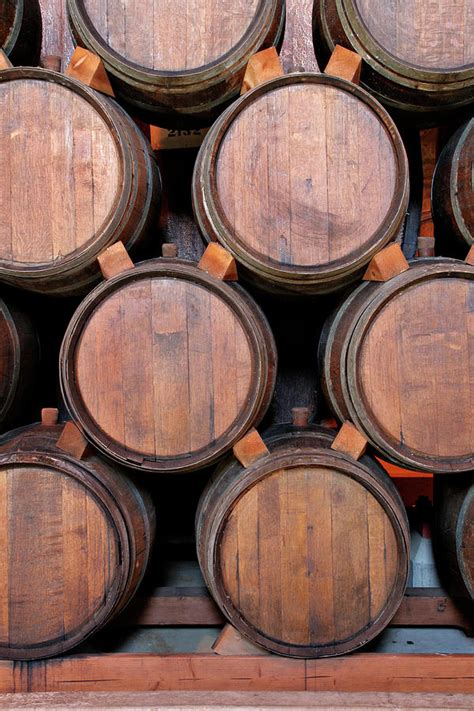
(259, 338)
(421, 270)
(104, 234)
(214, 225)
(289, 459)
(387, 64)
(466, 575)
(77, 470)
(229, 63)
(17, 349)
(15, 30)
(454, 182)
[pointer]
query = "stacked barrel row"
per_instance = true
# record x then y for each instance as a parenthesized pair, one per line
(167, 366)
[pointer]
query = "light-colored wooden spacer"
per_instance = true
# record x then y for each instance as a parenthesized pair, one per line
(250, 448)
(49, 416)
(385, 265)
(52, 62)
(470, 256)
(164, 139)
(89, 68)
(300, 416)
(350, 441)
(4, 61)
(169, 250)
(426, 246)
(114, 260)
(261, 67)
(230, 643)
(72, 441)
(218, 262)
(345, 64)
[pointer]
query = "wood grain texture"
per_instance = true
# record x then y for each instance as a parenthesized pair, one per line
(76, 538)
(171, 404)
(303, 180)
(305, 550)
(418, 59)
(453, 194)
(180, 60)
(78, 176)
(404, 376)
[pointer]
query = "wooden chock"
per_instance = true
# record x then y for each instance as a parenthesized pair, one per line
(72, 441)
(470, 256)
(385, 265)
(52, 62)
(218, 262)
(250, 448)
(114, 260)
(345, 64)
(230, 643)
(4, 61)
(262, 66)
(350, 441)
(89, 68)
(169, 250)
(300, 416)
(426, 246)
(49, 416)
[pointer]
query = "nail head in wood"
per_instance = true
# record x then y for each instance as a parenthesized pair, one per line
(470, 256)
(350, 441)
(72, 441)
(344, 64)
(263, 66)
(300, 416)
(218, 262)
(4, 61)
(250, 448)
(89, 68)
(230, 643)
(51, 62)
(49, 416)
(169, 250)
(385, 265)
(114, 260)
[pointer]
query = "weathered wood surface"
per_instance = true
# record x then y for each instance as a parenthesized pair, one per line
(415, 61)
(406, 673)
(169, 405)
(401, 374)
(64, 198)
(76, 539)
(304, 179)
(164, 69)
(272, 540)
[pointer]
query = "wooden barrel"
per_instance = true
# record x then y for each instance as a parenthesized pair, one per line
(454, 532)
(20, 31)
(76, 541)
(396, 360)
(165, 366)
(177, 62)
(78, 175)
(306, 551)
(453, 194)
(19, 356)
(302, 180)
(417, 61)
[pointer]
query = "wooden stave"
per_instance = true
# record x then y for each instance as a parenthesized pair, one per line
(290, 280)
(420, 95)
(137, 207)
(23, 43)
(452, 498)
(179, 99)
(26, 356)
(288, 444)
(341, 348)
(127, 504)
(454, 239)
(255, 324)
